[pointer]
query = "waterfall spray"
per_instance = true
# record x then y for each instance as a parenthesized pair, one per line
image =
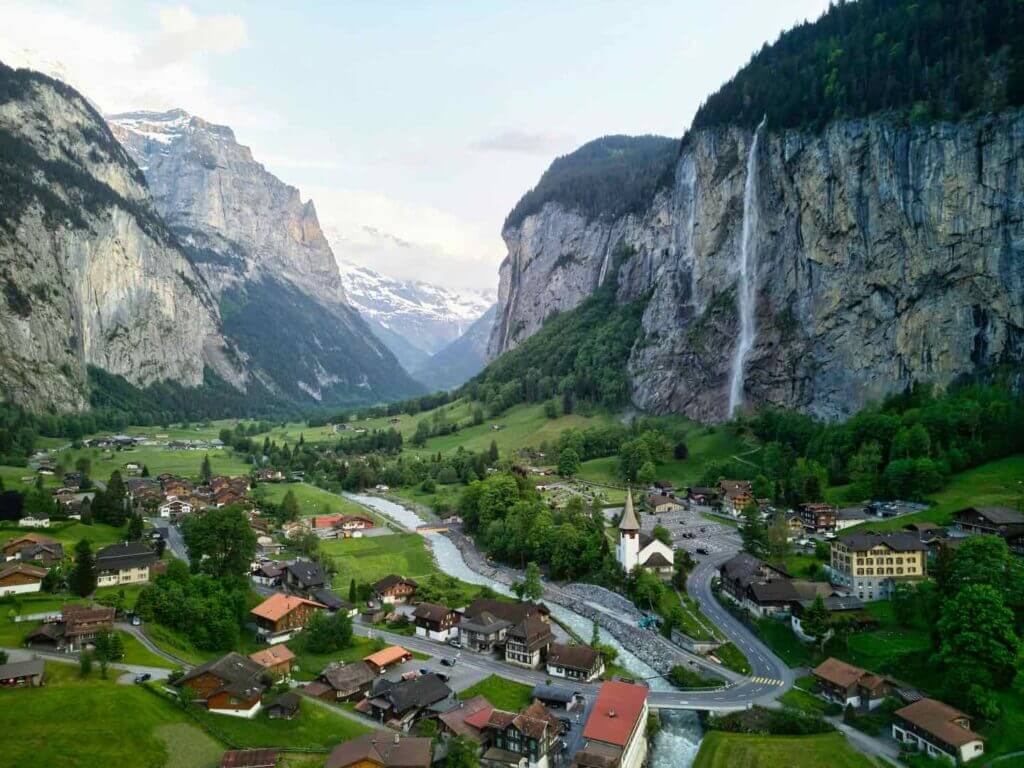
(745, 297)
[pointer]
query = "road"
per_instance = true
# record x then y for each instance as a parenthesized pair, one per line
(175, 541)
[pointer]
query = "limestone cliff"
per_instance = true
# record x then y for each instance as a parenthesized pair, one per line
(257, 243)
(886, 253)
(91, 276)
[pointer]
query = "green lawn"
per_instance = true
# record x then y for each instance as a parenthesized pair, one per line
(69, 533)
(368, 559)
(737, 750)
(733, 658)
(309, 665)
(159, 459)
(136, 653)
(317, 726)
(86, 723)
(503, 694)
(312, 500)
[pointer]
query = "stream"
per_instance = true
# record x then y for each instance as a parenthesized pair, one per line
(674, 747)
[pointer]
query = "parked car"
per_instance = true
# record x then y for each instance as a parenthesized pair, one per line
(136, 621)
(455, 642)
(142, 678)
(448, 662)
(702, 551)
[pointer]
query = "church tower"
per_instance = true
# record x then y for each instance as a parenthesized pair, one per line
(629, 536)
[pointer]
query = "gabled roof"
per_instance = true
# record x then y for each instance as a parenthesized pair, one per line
(579, 657)
(403, 695)
(21, 669)
(656, 560)
(249, 758)
(513, 613)
(534, 722)
(950, 725)
(330, 600)
(390, 750)
(25, 569)
(431, 611)
(996, 515)
(532, 631)
(279, 605)
(839, 672)
(616, 712)
(275, 654)
(898, 541)
(387, 656)
(556, 693)
(461, 719)
(306, 573)
(124, 556)
(392, 580)
(239, 675)
(348, 677)
(629, 521)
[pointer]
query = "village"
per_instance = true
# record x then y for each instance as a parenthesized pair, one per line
(575, 713)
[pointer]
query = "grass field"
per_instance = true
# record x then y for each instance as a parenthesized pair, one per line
(69, 533)
(992, 484)
(317, 726)
(737, 750)
(312, 500)
(368, 559)
(503, 694)
(119, 725)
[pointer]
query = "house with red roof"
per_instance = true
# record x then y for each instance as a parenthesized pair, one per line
(615, 733)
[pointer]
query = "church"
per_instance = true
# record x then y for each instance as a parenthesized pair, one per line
(641, 550)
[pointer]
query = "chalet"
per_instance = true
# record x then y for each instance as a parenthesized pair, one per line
(818, 518)
(44, 554)
(268, 475)
(17, 578)
(249, 758)
(436, 622)
(1004, 522)
(850, 686)
(34, 522)
(12, 548)
(280, 617)
(379, 661)
(284, 707)
(125, 563)
(937, 730)
(526, 737)
(230, 685)
(735, 495)
(467, 719)
(486, 622)
(175, 509)
(276, 660)
(394, 589)
(22, 674)
(332, 603)
(268, 574)
(738, 573)
(615, 733)
(574, 662)
(303, 577)
(352, 526)
(382, 750)
(662, 504)
(76, 629)
(400, 704)
(527, 642)
(703, 495)
(345, 682)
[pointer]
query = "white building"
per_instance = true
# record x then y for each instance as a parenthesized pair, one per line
(638, 549)
(937, 730)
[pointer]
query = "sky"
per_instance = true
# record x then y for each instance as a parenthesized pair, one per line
(414, 126)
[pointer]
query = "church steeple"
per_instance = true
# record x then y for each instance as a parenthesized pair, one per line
(629, 521)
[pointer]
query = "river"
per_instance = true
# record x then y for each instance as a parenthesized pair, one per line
(677, 743)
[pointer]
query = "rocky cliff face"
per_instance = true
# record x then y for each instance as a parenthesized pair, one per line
(90, 274)
(256, 242)
(884, 254)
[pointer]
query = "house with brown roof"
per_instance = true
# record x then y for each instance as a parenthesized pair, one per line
(17, 578)
(249, 758)
(486, 622)
(436, 622)
(393, 590)
(761, 588)
(937, 730)
(615, 733)
(515, 738)
(280, 617)
(818, 518)
(399, 704)
(527, 642)
(467, 719)
(662, 503)
(352, 526)
(231, 685)
(735, 495)
(345, 682)
(1004, 522)
(574, 662)
(850, 686)
(284, 707)
(382, 750)
(22, 674)
(76, 629)
(379, 661)
(12, 548)
(276, 660)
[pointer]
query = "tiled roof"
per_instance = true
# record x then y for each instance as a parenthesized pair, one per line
(390, 750)
(385, 657)
(940, 720)
(275, 654)
(279, 605)
(616, 712)
(898, 541)
(997, 515)
(579, 657)
(839, 672)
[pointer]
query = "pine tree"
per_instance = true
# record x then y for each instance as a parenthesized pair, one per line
(492, 454)
(135, 528)
(352, 591)
(83, 575)
(205, 470)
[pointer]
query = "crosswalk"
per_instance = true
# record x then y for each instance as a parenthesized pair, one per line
(767, 681)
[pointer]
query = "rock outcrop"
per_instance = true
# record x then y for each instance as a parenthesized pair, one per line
(887, 254)
(257, 244)
(91, 276)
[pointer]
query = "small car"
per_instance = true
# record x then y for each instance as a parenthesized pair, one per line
(455, 643)
(142, 678)
(448, 662)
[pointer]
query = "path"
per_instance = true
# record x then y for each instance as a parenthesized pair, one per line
(21, 654)
(139, 634)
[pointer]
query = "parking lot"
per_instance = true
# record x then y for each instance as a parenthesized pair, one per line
(691, 531)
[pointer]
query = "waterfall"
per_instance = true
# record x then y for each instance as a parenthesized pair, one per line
(745, 295)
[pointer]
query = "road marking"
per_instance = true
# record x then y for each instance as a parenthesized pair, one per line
(767, 681)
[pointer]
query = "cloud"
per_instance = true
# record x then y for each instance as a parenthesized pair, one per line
(183, 34)
(524, 142)
(408, 240)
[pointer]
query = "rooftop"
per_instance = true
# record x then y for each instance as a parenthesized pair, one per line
(616, 712)
(950, 725)
(390, 750)
(279, 605)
